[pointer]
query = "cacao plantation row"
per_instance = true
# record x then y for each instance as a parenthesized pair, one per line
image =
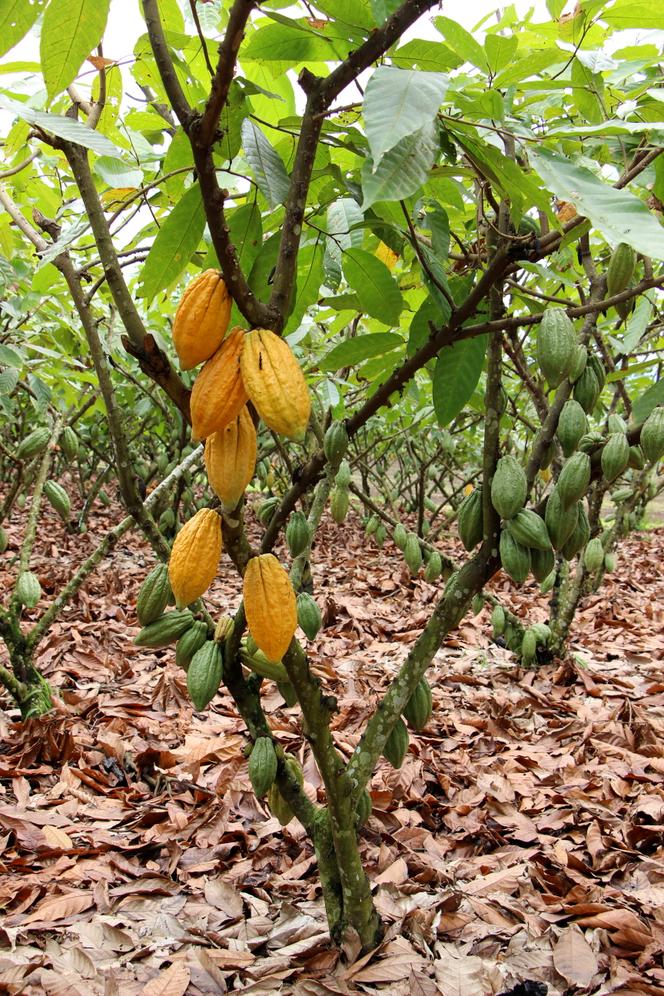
(436, 308)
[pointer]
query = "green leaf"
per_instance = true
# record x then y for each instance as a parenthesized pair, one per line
(269, 171)
(402, 170)
(309, 279)
(361, 347)
(16, 19)
(374, 285)
(176, 240)
(382, 9)
(398, 102)
(617, 214)
(8, 380)
(246, 231)
(635, 327)
(456, 375)
(500, 51)
(649, 399)
(71, 30)
(342, 215)
(461, 41)
(116, 173)
(634, 14)
(67, 128)
(284, 43)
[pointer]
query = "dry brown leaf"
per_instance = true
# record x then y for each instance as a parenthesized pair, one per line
(574, 959)
(173, 981)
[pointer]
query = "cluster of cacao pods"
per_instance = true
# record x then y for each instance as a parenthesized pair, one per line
(526, 644)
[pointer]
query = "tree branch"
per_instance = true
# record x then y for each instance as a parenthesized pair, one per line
(169, 78)
(205, 129)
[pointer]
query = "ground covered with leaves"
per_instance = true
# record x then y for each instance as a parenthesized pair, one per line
(517, 851)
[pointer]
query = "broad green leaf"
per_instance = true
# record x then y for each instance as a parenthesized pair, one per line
(176, 240)
(617, 214)
(427, 315)
(500, 51)
(374, 285)
(402, 170)
(8, 380)
(342, 216)
(635, 327)
(526, 68)
(70, 32)
(246, 231)
(361, 347)
(398, 102)
(649, 399)
(307, 285)
(382, 9)
(461, 41)
(284, 43)
(455, 377)
(16, 19)
(117, 173)
(430, 56)
(269, 171)
(67, 128)
(640, 14)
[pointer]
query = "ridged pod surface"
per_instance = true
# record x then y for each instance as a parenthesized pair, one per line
(58, 498)
(190, 641)
(560, 522)
(165, 630)
(529, 529)
(396, 744)
(586, 390)
(419, 706)
(593, 557)
(154, 595)
(219, 394)
(412, 553)
(204, 674)
(308, 615)
(652, 436)
(270, 605)
(470, 520)
(541, 563)
(514, 557)
(556, 345)
(572, 425)
(615, 455)
(621, 269)
(262, 766)
(33, 443)
(275, 383)
(230, 458)
(28, 589)
(201, 320)
(339, 499)
(574, 479)
(580, 536)
(509, 487)
(195, 557)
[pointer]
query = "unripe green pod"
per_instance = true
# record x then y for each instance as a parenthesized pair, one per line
(578, 362)
(498, 620)
(154, 595)
(335, 443)
(363, 811)
(593, 556)
(529, 529)
(556, 345)
(591, 441)
(165, 630)
(343, 476)
(529, 647)
(542, 633)
(636, 458)
(509, 487)
(69, 443)
(58, 498)
(541, 563)
(339, 500)
(574, 479)
(413, 553)
(470, 519)
(548, 583)
(560, 522)
(4, 540)
(262, 766)
(417, 712)
(477, 605)
(396, 744)
(572, 425)
(308, 615)
(33, 443)
(610, 563)
(434, 567)
(298, 533)
(166, 519)
(586, 390)
(579, 537)
(204, 674)
(190, 641)
(400, 536)
(28, 589)
(616, 423)
(380, 535)
(621, 269)
(597, 368)
(372, 525)
(615, 456)
(652, 435)
(514, 557)
(267, 510)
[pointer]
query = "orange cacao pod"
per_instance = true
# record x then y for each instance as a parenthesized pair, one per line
(230, 458)
(270, 606)
(194, 557)
(275, 383)
(201, 319)
(219, 393)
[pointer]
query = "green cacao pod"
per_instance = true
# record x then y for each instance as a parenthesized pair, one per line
(509, 487)
(652, 435)
(637, 460)
(514, 557)
(597, 368)
(615, 456)
(412, 554)
(616, 423)
(610, 563)
(380, 536)
(69, 443)
(400, 535)
(470, 520)
(309, 618)
(621, 269)
(262, 766)
(556, 345)
(572, 425)
(622, 494)
(529, 647)
(591, 441)
(288, 693)
(58, 498)
(4, 540)
(190, 641)
(578, 363)
(343, 475)
(335, 443)
(574, 479)
(363, 811)
(204, 674)
(256, 660)
(165, 630)
(477, 604)
(541, 563)
(548, 583)
(396, 744)
(580, 536)
(166, 519)
(275, 800)
(28, 589)
(548, 455)
(298, 533)
(34, 443)
(154, 595)
(267, 510)
(105, 500)
(542, 633)
(339, 499)
(498, 621)
(434, 567)
(593, 556)
(586, 390)
(372, 525)
(418, 708)
(528, 529)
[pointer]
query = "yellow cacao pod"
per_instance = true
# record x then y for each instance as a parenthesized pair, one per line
(386, 255)
(270, 606)
(202, 318)
(219, 394)
(230, 458)
(195, 556)
(275, 383)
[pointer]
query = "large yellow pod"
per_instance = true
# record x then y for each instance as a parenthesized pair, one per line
(202, 318)
(230, 458)
(195, 557)
(219, 394)
(275, 383)
(270, 606)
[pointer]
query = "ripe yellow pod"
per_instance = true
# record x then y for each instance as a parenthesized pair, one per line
(386, 255)
(202, 319)
(270, 606)
(275, 383)
(219, 394)
(230, 458)
(195, 557)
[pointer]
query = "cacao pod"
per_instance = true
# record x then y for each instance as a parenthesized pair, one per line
(610, 563)
(4, 540)
(258, 662)
(541, 563)
(201, 319)
(335, 444)
(380, 536)
(278, 805)
(542, 633)
(219, 394)
(69, 443)
(622, 494)
(204, 674)
(412, 554)
(586, 390)
(615, 456)
(556, 345)
(363, 811)
(434, 567)
(298, 534)
(636, 458)
(580, 536)
(509, 487)
(28, 589)
(343, 476)
(154, 595)
(58, 498)
(386, 255)
(560, 521)
(339, 499)
(578, 363)
(372, 525)
(652, 435)
(597, 368)
(616, 423)
(230, 458)
(275, 383)
(528, 647)
(190, 641)
(288, 693)
(267, 510)
(400, 535)
(262, 766)
(470, 519)
(572, 425)
(396, 744)
(528, 529)
(591, 441)
(574, 479)
(477, 605)
(548, 583)
(34, 443)
(621, 269)
(418, 708)
(225, 624)
(270, 605)
(166, 520)
(498, 621)
(309, 618)
(195, 557)
(514, 557)
(593, 556)
(165, 630)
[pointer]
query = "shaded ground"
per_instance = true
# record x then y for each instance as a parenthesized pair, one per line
(520, 842)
